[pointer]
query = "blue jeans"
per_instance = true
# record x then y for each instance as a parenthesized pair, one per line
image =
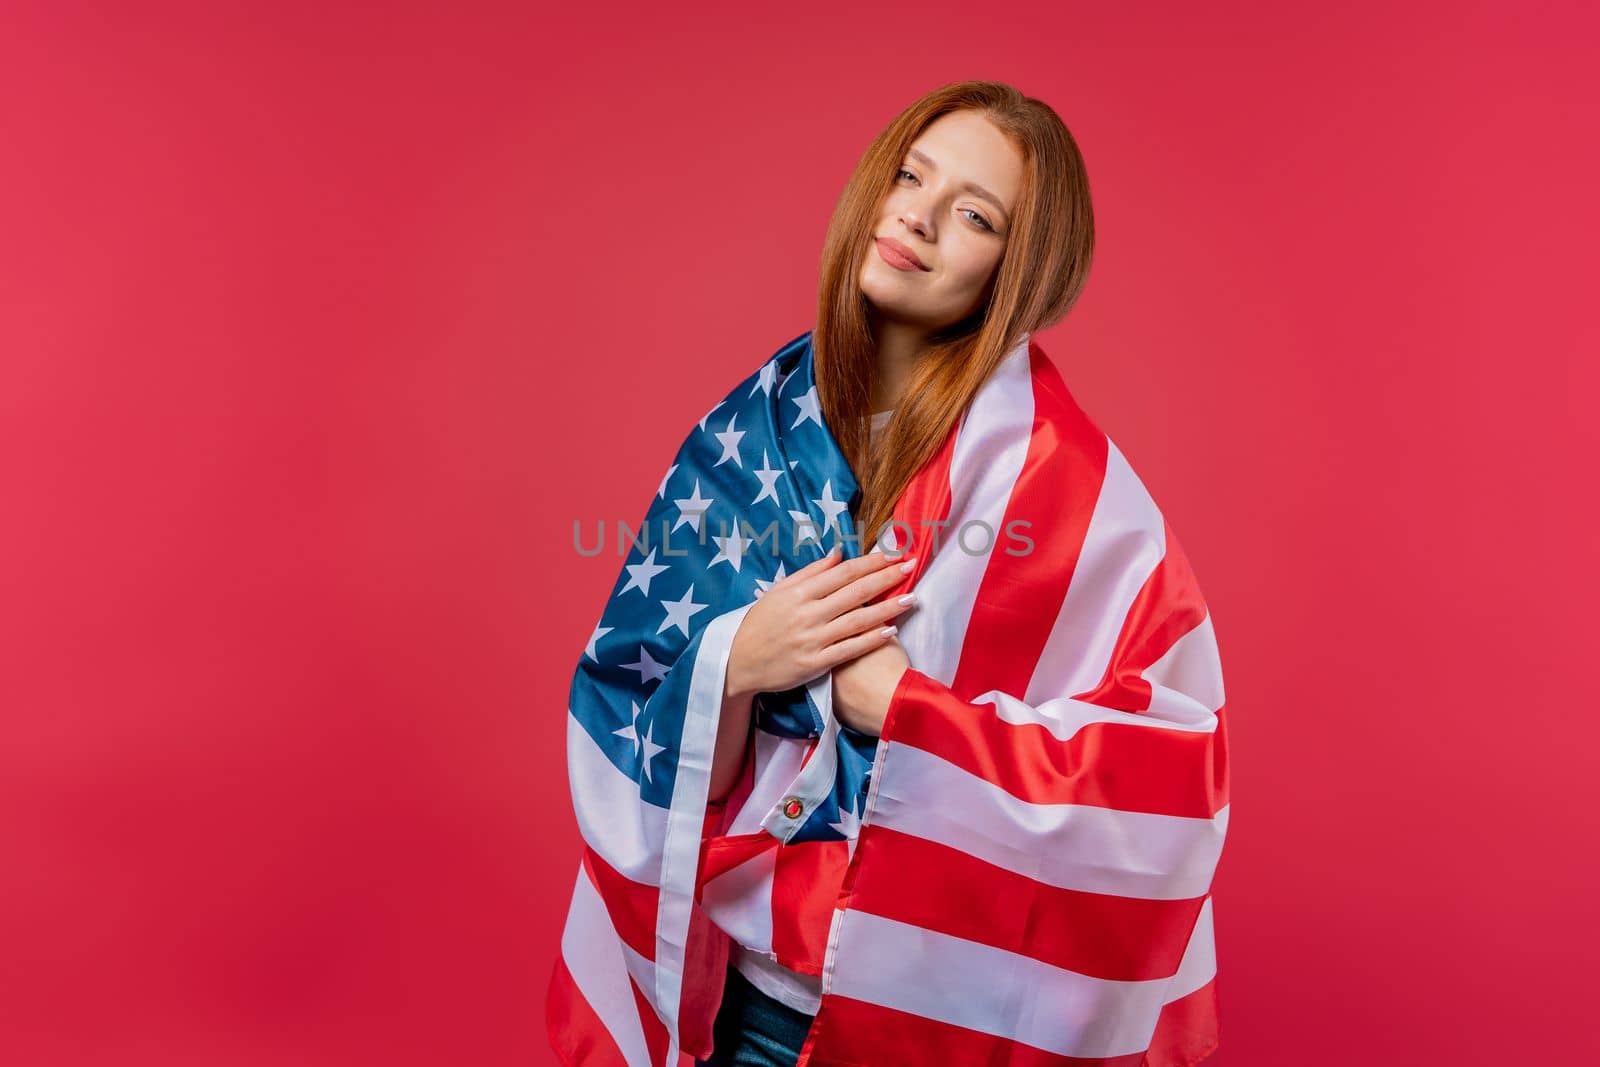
(753, 1030)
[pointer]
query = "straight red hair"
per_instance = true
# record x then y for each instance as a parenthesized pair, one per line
(1040, 275)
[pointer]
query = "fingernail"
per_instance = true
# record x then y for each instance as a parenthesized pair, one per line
(888, 631)
(908, 564)
(909, 598)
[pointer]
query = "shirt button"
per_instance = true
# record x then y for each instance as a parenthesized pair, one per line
(792, 807)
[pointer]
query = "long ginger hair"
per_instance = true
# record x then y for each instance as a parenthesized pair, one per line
(1042, 271)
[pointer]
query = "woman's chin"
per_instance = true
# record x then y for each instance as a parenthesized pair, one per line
(891, 300)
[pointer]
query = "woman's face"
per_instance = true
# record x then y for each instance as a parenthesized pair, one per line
(950, 207)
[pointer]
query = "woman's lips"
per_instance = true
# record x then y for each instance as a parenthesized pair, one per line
(898, 255)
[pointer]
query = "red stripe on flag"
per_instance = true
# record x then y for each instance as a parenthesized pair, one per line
(1110, 765)
(705, 971)
(1167, 607)
(631, 905)
(719, 855)
(1020, 595)
(926, 498)
(655, 1031)
(805, 887)
(1186, 1031)
(1103, 936)
(576, 1033)
(853, 1033)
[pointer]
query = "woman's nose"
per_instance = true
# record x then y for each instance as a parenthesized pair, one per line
(915, 219)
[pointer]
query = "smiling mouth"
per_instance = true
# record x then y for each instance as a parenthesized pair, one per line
(898, 255)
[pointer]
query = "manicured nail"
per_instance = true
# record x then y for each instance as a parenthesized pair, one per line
(908, 564)
(909, 598)
(888, 631)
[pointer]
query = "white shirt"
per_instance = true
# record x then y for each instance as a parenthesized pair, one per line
(802, 992)
(879, 421)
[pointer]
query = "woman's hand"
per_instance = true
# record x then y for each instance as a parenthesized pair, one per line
(804, 624)
(864, 687)
(820, 616)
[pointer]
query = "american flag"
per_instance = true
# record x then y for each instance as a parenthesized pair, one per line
(1018, 870)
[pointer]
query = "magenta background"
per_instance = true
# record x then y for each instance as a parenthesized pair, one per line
(319, 326)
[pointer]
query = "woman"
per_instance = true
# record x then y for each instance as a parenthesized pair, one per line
(859, 824)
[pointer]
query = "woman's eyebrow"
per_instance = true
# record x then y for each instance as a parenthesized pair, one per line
(972, 187)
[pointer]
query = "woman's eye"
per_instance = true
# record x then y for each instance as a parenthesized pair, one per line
(980, 219)
(975, 215)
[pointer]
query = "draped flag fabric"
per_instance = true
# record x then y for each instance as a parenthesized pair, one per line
(1018, 870)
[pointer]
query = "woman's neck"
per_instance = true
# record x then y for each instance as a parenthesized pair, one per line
(899, 346)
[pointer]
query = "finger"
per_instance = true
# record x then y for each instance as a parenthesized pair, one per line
(870, 617)
(815, 567)
(866, 589)
(851, 647)
(825, 585)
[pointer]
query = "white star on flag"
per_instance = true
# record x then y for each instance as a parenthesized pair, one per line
(647, 667)
(849, 825)
(599, 632)
(630, 732)
(639, 574)
(651, 749)
(680, 611)
(769, 375)
(831, 508)
(644, 747)
(763, 586)
(809, 407)
(769, 476)
(805, 528)
(691, 508)
(730, 549)
(729, 439)
(663, 490)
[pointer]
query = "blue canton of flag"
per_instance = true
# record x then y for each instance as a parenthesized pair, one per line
(758, 489)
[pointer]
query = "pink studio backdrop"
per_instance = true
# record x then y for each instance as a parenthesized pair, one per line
(320, 326)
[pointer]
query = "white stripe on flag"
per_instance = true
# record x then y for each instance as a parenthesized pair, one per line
(992, 991)
(643, 970)
(990, 450)
(1091, 849)
(777, 762)
(1199, 964)
(740, 902)
(615, 821)
(592, 951)
(1124, 543)
(691, 789)
(1190, 673)
(1064, 717)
